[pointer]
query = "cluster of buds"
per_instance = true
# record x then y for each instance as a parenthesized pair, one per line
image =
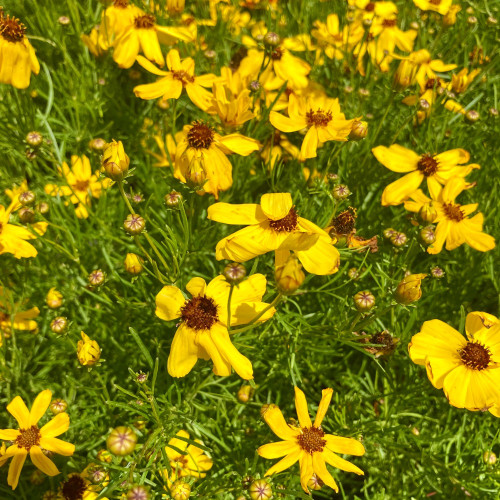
(396, 238)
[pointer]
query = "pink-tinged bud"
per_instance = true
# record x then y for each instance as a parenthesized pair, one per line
(58, 406)
(173, 199)
(234, 273)
(260, 490)
(54, 299)
(59, 325)
(96, 277)
(134, 224)
(26, 215)
(27, 198)
(121, 441)
(34, 139)
(364, 301)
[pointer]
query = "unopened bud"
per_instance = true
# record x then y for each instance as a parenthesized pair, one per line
(414, 25)
(34, 139)
(43, 207)
(341, 192)
(138, 492)
(54, 298)
(359, 130)
(173, 199)
(245, 393)
(437, 272)
(409, 290)
(114, 161)
(64, 20)
(493, 112)
(354, 273)
(364, 92)
(399, 239)
(96, 277)
(424, 104)
(27, 198)
(246, 482)
(315, 483)
(387, 233)
(471, 20)
(260, 490)
(133, 264)
(428, 213)
(26, 215)
(210, 54)
(472, 116)
(234, 273)
(180, 490)
(142, 377)
(88, 351)
(162, 104)
(489, 457)
(364, 301)
(427, 235)
(348, 89)
(97, 144)
(492, 21)
(415, 431)
(367, 22)
(121, 441)
(134, 224)
(254, 86)
(104, 456)
(272, 39)
(59, 325)
(58, 406)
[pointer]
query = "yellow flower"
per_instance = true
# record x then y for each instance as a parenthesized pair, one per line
(54, 298)
(144, 35)
(133, 264)
(440, 6)
(91, 41)
(450, 18)
(115, 162)
(203, 330)
(308, 443)
(279, 147)
(17, 56)
(192, 462)
(81, 184)
(461, 81)
(201, 159)
(30, 439)
(233, 110)
(322, 118)
(408, 290)
(82, 483)
(427, 67)
(168, 149)
(180, 76)
(13, 238)
(436, 169)
(467, 369)
(10, 318)
(274, 225)
(288, 271)
(453, 224)
(14, 193)
(88, 351)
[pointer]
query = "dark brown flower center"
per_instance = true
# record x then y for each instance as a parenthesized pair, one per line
(345, 221)
(287, 223)
(81, 185)
(319, 118)
(311, 439)
(383, 338)
(11, 29)
(200, 313)
(370, 7)
(74, 488)
(427, 165)
(122, 4)
(183, 77)
(1, 226)
(147, 21)
(277, 54)
(201, 135)
(28, 437)
(435, 2)
(453, 212)
(430, 83)
(388, 23)
(475, 355)
(181, 461)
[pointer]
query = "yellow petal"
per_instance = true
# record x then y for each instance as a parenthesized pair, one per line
(222, 366)
(319, 467)
(57, 446)
(240, 144)
(58, 425)
(165, 87)
(476, 321)
(183, 352)
(344, 446)
(340, 463)
(277, 450)
(285, 124)
(452, 189)
(276, 205)
(326, 397)
(169, 302)
(274, 418)
(301, 407)
(285, 463)
(44, 463)
(400, 190)
(9, 434)
(177, 443)
(40, 406)
(196, 286)
(306, 470)
(149, 66)
(322, 258)
(15, 468)
(453, 157)
(397, 158)
(20, 412)
(310, 144)
(236, 214)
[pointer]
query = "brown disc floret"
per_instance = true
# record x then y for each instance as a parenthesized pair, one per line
(200, 313)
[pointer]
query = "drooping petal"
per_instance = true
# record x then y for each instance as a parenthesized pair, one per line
(319, 467)
(149, 66)
(55, 427)
(240, 144)
(301, 407)
(57, 446)
(322, 258)
(15, 468)
(442, 230)
(43, 462)
(310, 144)
(183, 352)
(278, 449)
(306, 470)
(222, 366)
(285, 463)
(339, 463)
(169, 301)
(326, 397)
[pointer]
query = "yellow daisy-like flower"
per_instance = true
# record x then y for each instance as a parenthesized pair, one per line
(80, 186)
(436, 169)
(467, 369)
(203, 331)
(233, 110)
(274, 225)
(453, 224)
(88, 351)
(308, 444)
(200, 157)
(14, 193)
(440, 6)
(461, 81)
(279, 147)
(30, 439)
(322, 118)
(180, 76)
(17, 56)
(427, 66)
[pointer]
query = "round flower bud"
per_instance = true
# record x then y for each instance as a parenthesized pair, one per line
(493, 112)
(34, 139)
(272, 39)
(472, 116)
(354, 273)
(341, 192)
(173, 199)
(415, 431)
(180, 490)
(489, 457)
(471, 20)
(348, 89)
(427, 213)
(424, 104)
(437, 272)
(260, 490)
(88, 351)
(26, 215)
(27, 198)
(133, 264)
(43, 208)
(58, 406)
(64, 20)
(398, 239)
(359, 130)
(96, 277)
(414, 25)
(121, 441)
(54, 299)
(210, 54)
(59, 325)
(427, 235)
(364, 301)
(246, 482)
(114, 161)
(254, 86)
(104, 456)
(138, 492)
(137, 198)
(492, 21)
(97, 144)
(134, 224)
(245, 393)
(96, 474)
(163, 104)
(408, 290)
(367, 22)
(387, 233)
(234, 273)
(37, 477)
(142, 377)
(364, 92)
(315, 483)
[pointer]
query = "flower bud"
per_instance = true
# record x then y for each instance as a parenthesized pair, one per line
(315, 483)
(437, 272)
(364, 92)
(492, 21)
(138, 492)
(472, 116)
(195, 175)
(58, 406)
(139, 423)
(489, 458)
(175, 6)
(64, 20)
(210, 54)
(415, 431)
(96, 277)
(272, 39)
(26, 215)
(34, 139)
(260, 490)
(141, 377)
(341, 192)
(246, 482)
(59, 325)
(173, 199)
(121, 441)
(367, 22)
(27, 198)
(114, 161)
(289, 276)
(364, 301)
(398, 239)
(245, 393)
(234, 273)
(104, 456)
(97, 144)
(387, 233)
(54, 299)
(134, 224)
(427, 213)
(180, 490)
(37, 477)
(471, 20)
(133, 264)
(408, 290)
(43, 207)
(88, 351)
(163, 104)
(427, 235)
(359, 130)
(254, 86)
(354, 273)
(493, 112)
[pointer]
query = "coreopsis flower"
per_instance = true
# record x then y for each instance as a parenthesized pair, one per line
(91, 41)
(436, 169)
(17, 56)
(88, 351)
(202, 332)
(191, 460)
(201, 159)
(320, 116)
(287, 271)
(12, 318)
(454, 227)
(274, 224)
(408, 289)
(115, 161)
(144, 35)
(78, 486)
(180, 76)
(450, 18)
(467, 369)
(54, 298)
(233, 110)
(308, 443)
(427, 66)
(279, 147)
(30, 439)
(461, 81)
(168, 149)
(79, 184)
(440, 6)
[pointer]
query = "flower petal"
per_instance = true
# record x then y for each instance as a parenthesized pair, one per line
(183, 352)
(398, 191)
(18, 409)
(274, 418)
(322, 258)
(285, 463)
(344, 446)
(15, 468)
(301, 407)
(44, 463)
(169, 301)
(306, 470)
(397, 158)
(57, 446)
(326, 397)
(243, 214)
(340, 463)
(319, 467)
(222, 366)
(276, 206)
(196, 286)
(240, 144)
(278, 449)
(58, 425)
